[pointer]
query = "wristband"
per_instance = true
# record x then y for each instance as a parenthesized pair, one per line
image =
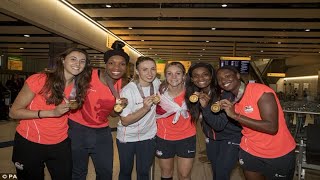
(39, 114)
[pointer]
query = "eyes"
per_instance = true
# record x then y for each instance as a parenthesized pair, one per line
(171, 74)
(75, 60)
(114, 63)
(204, 75)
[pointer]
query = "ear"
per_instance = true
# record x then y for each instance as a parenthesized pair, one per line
(62, 60)
(137, 72)
(238, 75)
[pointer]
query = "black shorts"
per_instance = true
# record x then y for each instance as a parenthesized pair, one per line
(273, 168)
(185, 148)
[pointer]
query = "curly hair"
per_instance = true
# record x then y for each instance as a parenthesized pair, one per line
(195, 108)
(55, 83)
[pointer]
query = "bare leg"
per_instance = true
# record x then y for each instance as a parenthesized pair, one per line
(167, 167)
(184, 168)
(250, 175)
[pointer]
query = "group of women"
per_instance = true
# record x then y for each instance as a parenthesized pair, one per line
(64, 120)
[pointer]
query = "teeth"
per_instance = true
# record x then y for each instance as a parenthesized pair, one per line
(225, 85)
(75, 68)
(115, 73)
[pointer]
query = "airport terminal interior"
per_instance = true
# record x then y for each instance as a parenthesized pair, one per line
(274, 42)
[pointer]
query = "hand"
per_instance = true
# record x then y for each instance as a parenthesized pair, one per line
(148, 102)
(123, 102)
(203, 99)
(228, 107)
(61, 109)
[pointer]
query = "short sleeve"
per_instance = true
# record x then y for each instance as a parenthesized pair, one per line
(36, 82)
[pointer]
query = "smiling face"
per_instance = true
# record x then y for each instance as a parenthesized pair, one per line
(116, 67)
(175, 76)
(228, 80)
(201, 77)
(74, 64)
(147, 71)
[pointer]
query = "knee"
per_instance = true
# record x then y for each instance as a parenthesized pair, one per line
(184, 175)
(166, 172)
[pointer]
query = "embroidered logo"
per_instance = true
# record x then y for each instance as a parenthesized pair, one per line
(280, 176)
(159, 153)
(18, 165)
(248, 109)
(241, 161)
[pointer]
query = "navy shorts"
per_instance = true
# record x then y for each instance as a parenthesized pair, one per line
(272, 168)
(185, 148)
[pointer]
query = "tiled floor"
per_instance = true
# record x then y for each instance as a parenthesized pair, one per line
(201, 170)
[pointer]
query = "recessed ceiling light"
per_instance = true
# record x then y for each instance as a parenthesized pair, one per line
(130, 28)
(150, 48)
(155, 54)
(199, 59)
(26, 35)
(224, 5)
(108, 6)
(213, 28)
(307, 30)
(207, 41)
(279, 42)
(200, 54)
(261, 51)
(203, 49)
(21, 48)
(142, 40)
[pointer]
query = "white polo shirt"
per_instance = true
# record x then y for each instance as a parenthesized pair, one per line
(146, 127)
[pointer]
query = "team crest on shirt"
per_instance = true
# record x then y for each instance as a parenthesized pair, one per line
(248, 109)
(159, 153)
(241, 162)
(18, 165)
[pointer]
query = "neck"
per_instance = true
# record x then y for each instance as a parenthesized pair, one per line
(144, 84)
(175, 91)
(69, 80)
(206, 90)
(236, 90)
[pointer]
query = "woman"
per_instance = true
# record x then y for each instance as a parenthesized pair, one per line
(267, 147)
(42, 106)
(222, 135)
(89, 127)
(176, 133)
(137, 126)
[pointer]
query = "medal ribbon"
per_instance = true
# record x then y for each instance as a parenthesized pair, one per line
(240, 92)
(115, 92)
(141, 91)
(73, 93)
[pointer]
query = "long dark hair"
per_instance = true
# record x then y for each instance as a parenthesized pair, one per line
(55, 83)
(194, 108)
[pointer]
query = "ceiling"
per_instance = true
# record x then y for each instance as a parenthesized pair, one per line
(188, 29)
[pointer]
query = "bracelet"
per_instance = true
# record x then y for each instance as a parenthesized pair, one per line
(39, 114)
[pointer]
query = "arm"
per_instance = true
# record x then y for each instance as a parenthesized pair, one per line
(216, 121)
(19, 107)
(136, 116)
(268, 112)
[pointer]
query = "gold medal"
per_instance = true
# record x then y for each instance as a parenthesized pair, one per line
(193, 98)
(73, 104)
(118, 108)
(215, 107)
(156, 99)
